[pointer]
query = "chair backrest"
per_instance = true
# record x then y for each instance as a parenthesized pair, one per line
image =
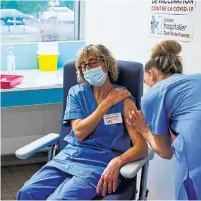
(130, 76)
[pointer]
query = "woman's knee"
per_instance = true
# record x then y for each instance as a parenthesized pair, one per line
(25, 192)
(31, 191)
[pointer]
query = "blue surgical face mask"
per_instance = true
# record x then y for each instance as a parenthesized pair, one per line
(95, 77)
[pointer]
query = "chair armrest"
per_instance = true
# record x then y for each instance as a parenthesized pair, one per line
(36, 146)
(130, 170)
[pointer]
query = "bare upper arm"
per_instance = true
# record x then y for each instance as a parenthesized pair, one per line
(136, 138)
(160, 143)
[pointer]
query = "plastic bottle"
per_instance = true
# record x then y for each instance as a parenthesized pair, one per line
(10, 60)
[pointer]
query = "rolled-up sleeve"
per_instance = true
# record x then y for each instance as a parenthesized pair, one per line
(154, 111)
(73, 107)
(132, 98)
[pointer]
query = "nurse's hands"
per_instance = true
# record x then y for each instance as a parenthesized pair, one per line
(136, 120)
(115, 96)
(108, 180)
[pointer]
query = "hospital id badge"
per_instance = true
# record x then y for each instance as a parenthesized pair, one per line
(114, 118)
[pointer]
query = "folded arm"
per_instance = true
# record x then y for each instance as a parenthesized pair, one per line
(84, 127)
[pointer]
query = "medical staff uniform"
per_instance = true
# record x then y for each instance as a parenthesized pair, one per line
(175, 104)
(74, 173)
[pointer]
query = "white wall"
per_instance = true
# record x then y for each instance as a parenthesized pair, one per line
(123, 27)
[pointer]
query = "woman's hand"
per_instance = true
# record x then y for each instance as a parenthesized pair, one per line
(115, 96)
(136, 119)
(108, 180)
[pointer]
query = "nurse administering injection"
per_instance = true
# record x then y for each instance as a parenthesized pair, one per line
(172, 109)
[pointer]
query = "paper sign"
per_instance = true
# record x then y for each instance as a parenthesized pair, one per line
(172, 19)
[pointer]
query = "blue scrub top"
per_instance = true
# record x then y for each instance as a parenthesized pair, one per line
(89, 158)
(175, 104)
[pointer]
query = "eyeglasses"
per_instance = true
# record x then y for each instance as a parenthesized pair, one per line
(91, 62)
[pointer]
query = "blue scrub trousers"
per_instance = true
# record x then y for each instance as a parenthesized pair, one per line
(50, 183)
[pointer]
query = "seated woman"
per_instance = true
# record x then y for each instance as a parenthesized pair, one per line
(99, 144)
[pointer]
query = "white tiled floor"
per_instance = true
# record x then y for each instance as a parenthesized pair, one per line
(13, 178)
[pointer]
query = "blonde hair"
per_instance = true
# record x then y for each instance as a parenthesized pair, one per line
(165, 57)
(97, 51)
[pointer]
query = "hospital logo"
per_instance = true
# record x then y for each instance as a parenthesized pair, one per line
(154, 24)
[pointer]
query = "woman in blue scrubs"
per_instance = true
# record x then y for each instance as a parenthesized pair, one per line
(99, 143)
(172, 116)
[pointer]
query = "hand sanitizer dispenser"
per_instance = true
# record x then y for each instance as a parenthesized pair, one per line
(10, 60)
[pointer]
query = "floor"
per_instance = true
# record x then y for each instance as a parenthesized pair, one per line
(13, 178)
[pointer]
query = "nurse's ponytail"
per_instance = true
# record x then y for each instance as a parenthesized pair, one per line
(165, 57)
